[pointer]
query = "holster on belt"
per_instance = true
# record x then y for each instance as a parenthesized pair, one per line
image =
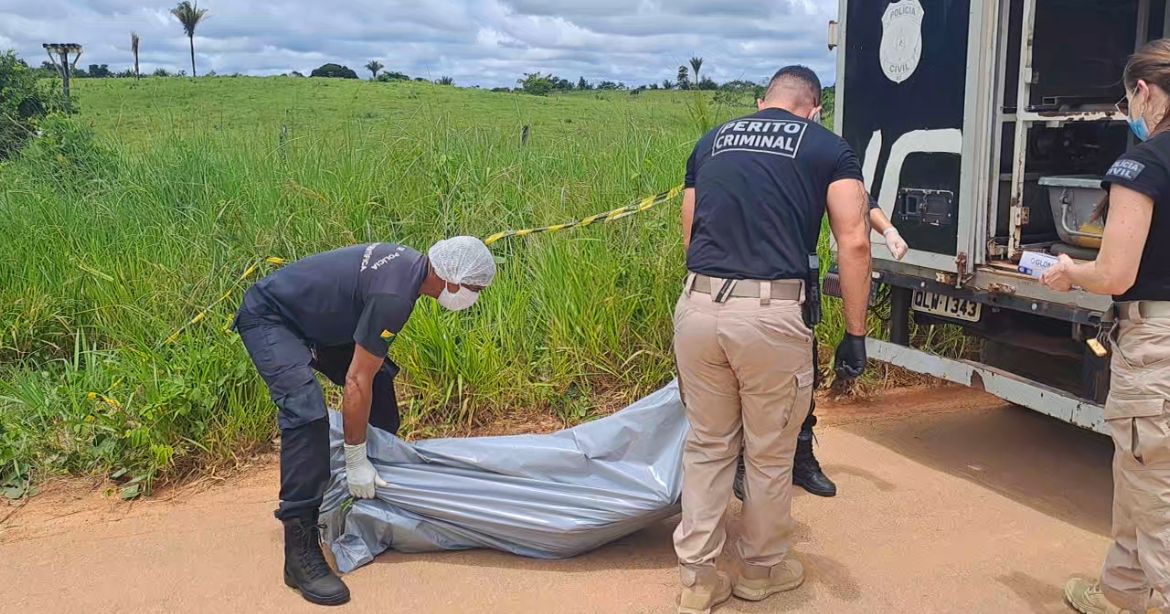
(812, 292)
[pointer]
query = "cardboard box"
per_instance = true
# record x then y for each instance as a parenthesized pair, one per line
(1033, 264)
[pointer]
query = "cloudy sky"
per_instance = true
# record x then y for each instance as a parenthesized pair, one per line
(478, 42)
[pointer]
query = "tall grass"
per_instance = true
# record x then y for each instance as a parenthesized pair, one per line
(112, 243)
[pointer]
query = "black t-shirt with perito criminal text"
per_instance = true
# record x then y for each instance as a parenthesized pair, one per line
(362, 294)
(1146, 169)
(761, 184)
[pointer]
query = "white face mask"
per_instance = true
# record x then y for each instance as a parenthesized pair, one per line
(457, 301)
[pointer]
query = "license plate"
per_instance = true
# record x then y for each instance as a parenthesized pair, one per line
(947, 306)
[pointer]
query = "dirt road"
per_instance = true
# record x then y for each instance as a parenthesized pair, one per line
(950, 502)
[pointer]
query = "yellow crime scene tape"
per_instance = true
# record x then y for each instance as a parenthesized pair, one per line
(644, 204)
(274, 261)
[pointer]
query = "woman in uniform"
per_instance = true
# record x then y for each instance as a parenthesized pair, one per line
(1134, 267)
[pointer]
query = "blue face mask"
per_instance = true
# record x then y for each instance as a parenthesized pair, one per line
(1138, 125)
(1139, 128)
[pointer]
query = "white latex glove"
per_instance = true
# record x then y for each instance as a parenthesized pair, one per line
(360, 473)
(895, 243)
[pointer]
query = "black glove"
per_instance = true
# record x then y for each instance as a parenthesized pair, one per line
(849, 362)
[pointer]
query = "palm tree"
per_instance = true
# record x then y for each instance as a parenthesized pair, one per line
(374, 66)
(134, 47)
(190, 15)
(696, 64)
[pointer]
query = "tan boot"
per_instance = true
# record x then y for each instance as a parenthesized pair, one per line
(1086, 597)
(709, 590)
(758, 583)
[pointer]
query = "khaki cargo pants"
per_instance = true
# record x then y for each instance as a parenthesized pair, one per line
(1136, 574)
(746, 375)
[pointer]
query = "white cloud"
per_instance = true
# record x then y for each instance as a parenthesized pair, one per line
(478, 42)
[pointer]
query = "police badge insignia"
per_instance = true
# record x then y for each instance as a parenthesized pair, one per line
(901, 48)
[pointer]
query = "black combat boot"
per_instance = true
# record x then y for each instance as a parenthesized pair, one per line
(305, 568)
(806, 471)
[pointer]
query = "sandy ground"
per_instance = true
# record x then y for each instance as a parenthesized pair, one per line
(950, 502)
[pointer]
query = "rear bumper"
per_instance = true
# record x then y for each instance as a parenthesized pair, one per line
(992, 287)
(1011, 388)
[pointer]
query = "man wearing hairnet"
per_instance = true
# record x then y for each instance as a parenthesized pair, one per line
(337, 313)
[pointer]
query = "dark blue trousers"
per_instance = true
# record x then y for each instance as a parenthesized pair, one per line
(288, 364)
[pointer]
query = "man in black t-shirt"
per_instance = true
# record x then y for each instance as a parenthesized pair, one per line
(806, 470)
(337, 313)
(756, 191)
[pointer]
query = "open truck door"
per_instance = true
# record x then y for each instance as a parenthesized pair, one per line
(984, 127)
(901, 104)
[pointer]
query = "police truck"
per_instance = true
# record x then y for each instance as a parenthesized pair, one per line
(984, 128)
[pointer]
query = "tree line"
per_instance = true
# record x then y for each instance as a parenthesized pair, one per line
(543, 84)
(103, 71)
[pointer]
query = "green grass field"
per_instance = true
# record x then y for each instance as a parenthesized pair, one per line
(112, 243)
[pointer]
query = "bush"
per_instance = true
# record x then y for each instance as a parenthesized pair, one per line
(23, 101)
(100, 71)
(68, 155)
(334, 71)
(707, 84)
(829, 106)
(536, 84)
(392, 76)
(46, 71)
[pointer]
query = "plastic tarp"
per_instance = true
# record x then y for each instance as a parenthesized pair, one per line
(542, 496)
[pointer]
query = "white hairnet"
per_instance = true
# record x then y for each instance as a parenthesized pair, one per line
(463, 260)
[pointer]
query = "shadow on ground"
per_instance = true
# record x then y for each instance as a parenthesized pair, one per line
(1055, 468)
(1041, 597)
